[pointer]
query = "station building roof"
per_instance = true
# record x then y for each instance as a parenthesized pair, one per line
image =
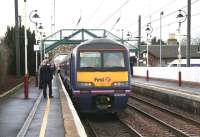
(171, 51)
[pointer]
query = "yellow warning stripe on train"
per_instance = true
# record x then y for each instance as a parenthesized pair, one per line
(102, 78)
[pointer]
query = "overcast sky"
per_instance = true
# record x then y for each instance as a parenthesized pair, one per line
(103, 14)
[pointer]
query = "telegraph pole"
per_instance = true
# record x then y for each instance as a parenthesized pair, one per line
(161, 14)
(188, 33)
(17, 40)
(139, 38)
(54, 15)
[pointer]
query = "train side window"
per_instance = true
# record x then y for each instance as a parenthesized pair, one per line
(70, 66)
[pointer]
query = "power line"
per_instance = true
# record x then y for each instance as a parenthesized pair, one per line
(171, 13)
(196, 14)
(131, 24)
(166, 5)
(165, 25)
(163, 7)
(95, 11)
(109, 17)
(195, 27)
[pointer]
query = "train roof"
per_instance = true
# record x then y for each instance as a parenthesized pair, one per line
(101, 43)
(100, 40)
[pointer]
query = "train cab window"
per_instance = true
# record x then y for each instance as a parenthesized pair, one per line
(90, 59)
(113, 59)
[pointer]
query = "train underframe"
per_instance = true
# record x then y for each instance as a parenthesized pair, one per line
(100, 101)
(93, 101)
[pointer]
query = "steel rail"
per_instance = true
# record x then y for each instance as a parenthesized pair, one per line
(135, 132)
(91, 129)
(173, 129)
(190, 120)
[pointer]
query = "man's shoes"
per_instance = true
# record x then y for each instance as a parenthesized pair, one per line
(50, 96)
(45, 96)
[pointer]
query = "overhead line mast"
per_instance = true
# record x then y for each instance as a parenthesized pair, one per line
(53, 17)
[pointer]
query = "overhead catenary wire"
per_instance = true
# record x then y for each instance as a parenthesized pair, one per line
(154, 12)
(196, 27)
(95, 11)
(109, 17)
(165, 25)
(163, 7)
(196, 14)
(171, 13)
(173, 22)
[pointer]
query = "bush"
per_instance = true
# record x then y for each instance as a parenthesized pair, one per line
(10, 44)
(3, 62)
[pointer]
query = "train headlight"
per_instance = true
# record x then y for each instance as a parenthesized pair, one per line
(118, 84)
(85, 84)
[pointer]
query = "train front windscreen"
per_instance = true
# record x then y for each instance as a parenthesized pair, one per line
(102, 60)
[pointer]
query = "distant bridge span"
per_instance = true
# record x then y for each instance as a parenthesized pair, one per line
(65, 39)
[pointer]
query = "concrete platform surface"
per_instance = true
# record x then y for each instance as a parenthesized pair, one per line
(54, 123)
(38, 116)
(187, 88)
(185, 97)
(14, 110)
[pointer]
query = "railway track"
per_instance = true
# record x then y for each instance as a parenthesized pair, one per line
(173, 123)
(90, 130)
(107, 126)
(136, 134)
(165, 109)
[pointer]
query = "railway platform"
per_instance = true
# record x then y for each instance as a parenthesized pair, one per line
(185, 97)
(185, 88)
(37, 116)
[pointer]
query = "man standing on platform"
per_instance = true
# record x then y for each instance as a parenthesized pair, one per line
(131, 65)
(46, 76)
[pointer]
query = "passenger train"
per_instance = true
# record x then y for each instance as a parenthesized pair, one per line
(97, 74)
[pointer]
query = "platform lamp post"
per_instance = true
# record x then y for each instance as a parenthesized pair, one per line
(148, 30)
(33, 14)
(181, 17)
(40, 31)
(161, 14)
(43, 36)
(26, 66)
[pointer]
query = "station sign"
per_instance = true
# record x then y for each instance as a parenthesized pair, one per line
(36, 47)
